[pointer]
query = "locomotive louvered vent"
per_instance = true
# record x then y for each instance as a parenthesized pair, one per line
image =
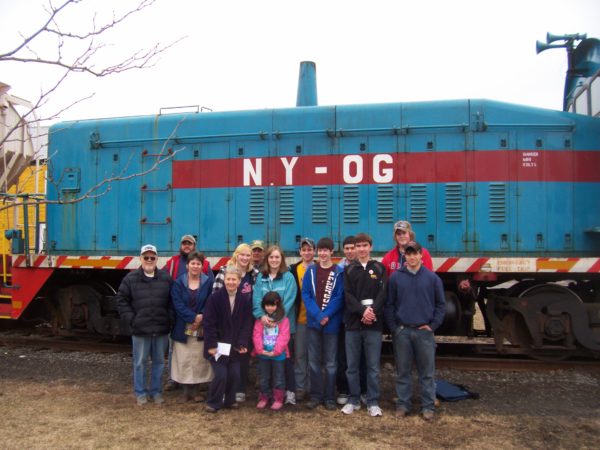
(454, 204)
(320, 204)
(351, 206)
(418, 203)
(497, 202)
(286, 205)
(257, 205)
(385, 204)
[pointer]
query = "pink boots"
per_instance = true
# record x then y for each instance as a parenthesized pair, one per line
(278, 398)
(263, 399)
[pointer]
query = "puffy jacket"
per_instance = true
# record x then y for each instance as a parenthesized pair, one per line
(334, 308)
(144, 303)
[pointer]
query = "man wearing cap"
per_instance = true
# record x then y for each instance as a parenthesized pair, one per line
(394, 259)
(299, 344)
(144, 306)
(258, 253)
(414, 309)
(176, 265)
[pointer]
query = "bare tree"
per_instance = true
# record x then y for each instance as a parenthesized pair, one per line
(72, 53)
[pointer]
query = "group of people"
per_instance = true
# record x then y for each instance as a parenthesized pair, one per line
(315, 328)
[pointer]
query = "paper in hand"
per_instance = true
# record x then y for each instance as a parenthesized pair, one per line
(223, 349)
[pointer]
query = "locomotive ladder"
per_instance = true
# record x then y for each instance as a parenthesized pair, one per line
(5, 296)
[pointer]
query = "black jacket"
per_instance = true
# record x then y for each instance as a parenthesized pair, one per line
(144, 303)
(360, 284)
(221, 325)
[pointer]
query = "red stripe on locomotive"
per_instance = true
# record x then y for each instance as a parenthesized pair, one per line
(482, 166)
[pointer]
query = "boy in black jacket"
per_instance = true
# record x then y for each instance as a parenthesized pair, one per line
(364, 292)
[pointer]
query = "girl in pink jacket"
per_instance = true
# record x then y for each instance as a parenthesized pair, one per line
(271, 348)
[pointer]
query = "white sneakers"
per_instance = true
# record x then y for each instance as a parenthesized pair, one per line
(349, 408)
(374, 411)
(342, 399)
(290, 397)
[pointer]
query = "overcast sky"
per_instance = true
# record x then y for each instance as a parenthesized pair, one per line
(242, 54)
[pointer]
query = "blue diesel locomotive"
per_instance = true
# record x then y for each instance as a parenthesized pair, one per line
(501, 194)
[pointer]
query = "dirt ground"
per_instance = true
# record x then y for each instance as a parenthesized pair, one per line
(84, 400)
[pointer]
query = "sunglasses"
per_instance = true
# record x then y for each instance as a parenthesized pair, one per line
(187, 243)
(149, 258)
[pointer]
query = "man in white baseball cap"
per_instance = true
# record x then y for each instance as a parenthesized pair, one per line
(144, 307)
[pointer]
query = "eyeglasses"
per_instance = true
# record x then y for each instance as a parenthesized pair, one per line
(149, 258)
(187, 243)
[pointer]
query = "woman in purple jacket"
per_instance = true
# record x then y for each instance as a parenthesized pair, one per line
(227, 323)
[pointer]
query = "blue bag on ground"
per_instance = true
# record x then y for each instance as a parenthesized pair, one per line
(449, 392)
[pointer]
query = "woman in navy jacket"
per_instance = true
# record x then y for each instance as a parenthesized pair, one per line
(227, 320)
(189, 294)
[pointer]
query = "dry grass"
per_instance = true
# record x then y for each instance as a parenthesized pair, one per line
(48, 409)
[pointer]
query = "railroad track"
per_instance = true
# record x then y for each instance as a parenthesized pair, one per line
(64, 343)
(481, 363)
(511, 364)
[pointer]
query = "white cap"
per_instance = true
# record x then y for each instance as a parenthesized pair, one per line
(148, 248)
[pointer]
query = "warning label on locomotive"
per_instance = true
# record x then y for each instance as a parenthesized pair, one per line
(513, 264)
(530, 159)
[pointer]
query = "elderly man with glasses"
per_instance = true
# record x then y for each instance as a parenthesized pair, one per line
(144, 307)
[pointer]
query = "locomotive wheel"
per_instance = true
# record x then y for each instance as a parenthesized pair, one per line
(453, 316)
(552, 293)
(546, 295)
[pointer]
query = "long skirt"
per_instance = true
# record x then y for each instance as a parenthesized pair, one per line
(188, 365)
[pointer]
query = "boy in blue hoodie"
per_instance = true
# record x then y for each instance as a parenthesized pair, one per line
(322, 294)
(414, 309)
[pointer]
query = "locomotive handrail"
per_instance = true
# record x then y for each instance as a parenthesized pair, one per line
(173, 108)
(144, 221)
(145, 188)
(561, 127)
(177, 140)
(276, 134)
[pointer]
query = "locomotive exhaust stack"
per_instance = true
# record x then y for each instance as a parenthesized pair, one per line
(307, 84)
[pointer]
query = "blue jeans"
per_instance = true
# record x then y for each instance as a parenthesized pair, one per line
(322, 356)
(300, 358)
(412, 344)
(369, 343)
(144, 348)
(271, 369)
(169, 359)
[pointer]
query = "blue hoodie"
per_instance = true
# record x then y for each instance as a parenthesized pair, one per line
(415, 299)
(334, 308)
